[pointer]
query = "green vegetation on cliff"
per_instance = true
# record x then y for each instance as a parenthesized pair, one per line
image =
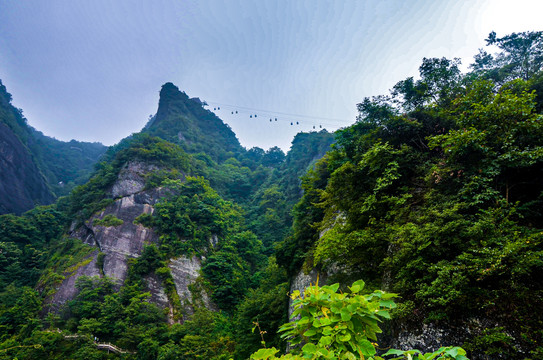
(46, 168)
(435, 194)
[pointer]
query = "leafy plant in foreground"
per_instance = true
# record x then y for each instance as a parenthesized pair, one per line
(331, 325)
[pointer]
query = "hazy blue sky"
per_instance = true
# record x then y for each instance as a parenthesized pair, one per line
(91, 70)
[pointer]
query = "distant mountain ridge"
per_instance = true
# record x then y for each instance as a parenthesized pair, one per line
(36, 168)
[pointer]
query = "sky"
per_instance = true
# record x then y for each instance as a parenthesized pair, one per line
(92, 70)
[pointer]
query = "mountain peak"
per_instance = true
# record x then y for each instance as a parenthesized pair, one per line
(186, 122)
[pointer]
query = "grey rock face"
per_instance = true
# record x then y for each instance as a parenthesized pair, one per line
(185, 272)
(127, 240)
(67, 290)
(131, 179)
(119, 243)
(428, 338)
(154, 286)
(302, 280)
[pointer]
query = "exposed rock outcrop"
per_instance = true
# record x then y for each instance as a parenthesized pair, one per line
(122, 238)
(131, 179)
(155, 288)
(303, 280)
(119, 243)
(67, 291)
(185, 272)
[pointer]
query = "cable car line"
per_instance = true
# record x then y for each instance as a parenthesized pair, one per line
(343, 122)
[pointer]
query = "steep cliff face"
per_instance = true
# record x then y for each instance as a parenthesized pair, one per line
(121, 242)
(22, 185)
(119, 238)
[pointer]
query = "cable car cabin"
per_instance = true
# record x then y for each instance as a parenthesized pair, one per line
(290, 123)
(270, 120)
(297, 123)
(275, 119)
(251, 116)
(255, 115)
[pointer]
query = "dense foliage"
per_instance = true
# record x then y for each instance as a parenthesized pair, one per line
(435, 193)
(62, 164)
(330, 325)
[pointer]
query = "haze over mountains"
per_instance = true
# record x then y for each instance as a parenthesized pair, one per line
(179, 243)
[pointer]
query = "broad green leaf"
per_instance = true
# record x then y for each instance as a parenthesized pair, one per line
(387, 303)
(359, 283)
(263, 354)
(394, 352)
(325, 340)
(384, 314)
(323, 352)
(310, 332)
(345, 314)
(336, 307)
(344, 338)
(387, 296)
(309, 348)
(324, 321)
(352, 307)
(327, 330)
(367, 348)
(354, 289)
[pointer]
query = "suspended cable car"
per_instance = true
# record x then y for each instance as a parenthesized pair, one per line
(275, 119)
(320, 126)
(270, 119)
(251, 116)
(219, 108)
(255, 115)
(214, 109)
(232, 112)
(297, 123)
(313, 126)
(290, 123)
(236, 111)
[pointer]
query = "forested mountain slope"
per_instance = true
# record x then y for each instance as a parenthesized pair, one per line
(36, 168)
(184, 245)
(436, 194)
(22, 185)
(167, 231)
